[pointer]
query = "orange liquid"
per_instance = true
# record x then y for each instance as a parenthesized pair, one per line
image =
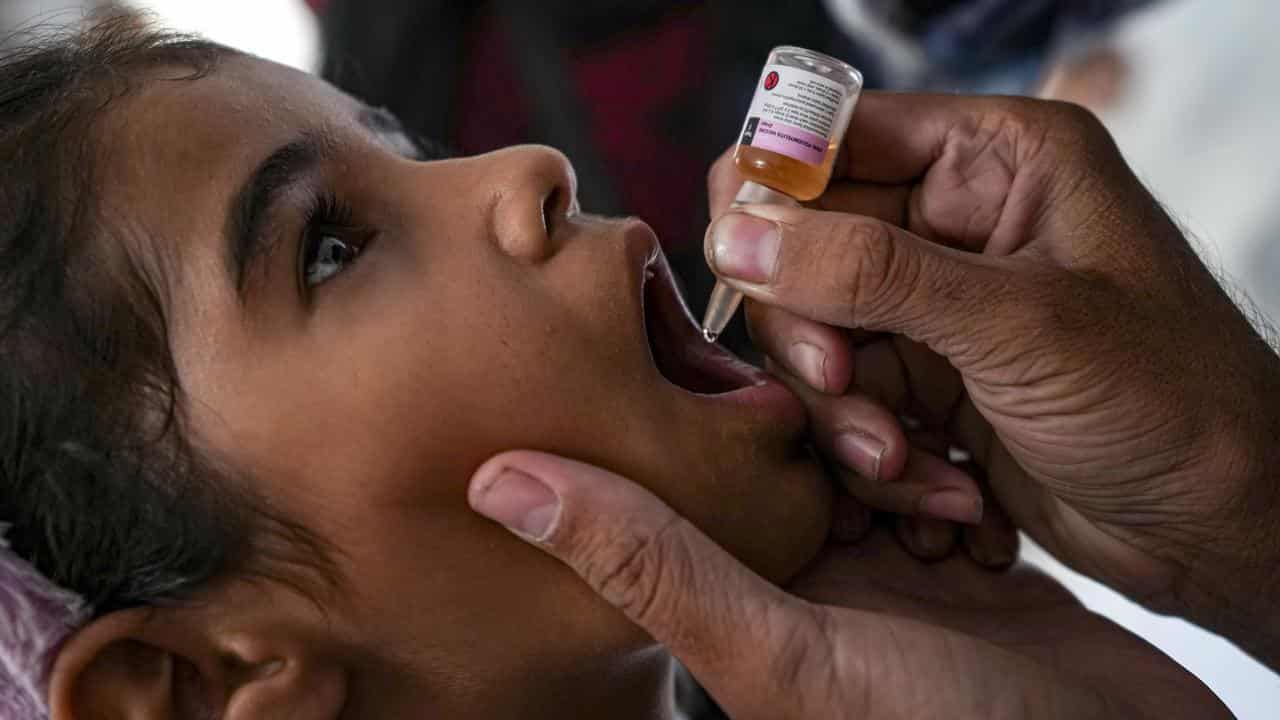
(800, 180)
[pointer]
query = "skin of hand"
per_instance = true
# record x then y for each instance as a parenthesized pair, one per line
(870, 633)
(991, 268)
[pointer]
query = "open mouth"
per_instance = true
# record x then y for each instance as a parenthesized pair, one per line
(677, 346)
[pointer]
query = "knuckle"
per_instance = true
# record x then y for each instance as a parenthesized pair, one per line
(634, 571)
(1073, 134)
(842, 269)
(1019, 113)
(1073, 119)
(871, 268)
(1012, 135)
(1019, 131)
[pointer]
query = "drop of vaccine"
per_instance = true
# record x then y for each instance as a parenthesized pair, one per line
(709, 336)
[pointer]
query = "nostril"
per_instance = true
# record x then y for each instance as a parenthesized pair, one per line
(550, 208)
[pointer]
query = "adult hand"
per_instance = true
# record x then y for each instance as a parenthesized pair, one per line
(887, 636)
(1028, 300)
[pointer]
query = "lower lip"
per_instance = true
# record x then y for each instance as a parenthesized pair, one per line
(769, 396)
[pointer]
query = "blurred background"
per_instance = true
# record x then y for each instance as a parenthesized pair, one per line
(643, 94)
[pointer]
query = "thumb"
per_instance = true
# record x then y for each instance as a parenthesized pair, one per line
(737, 633)
(855, 271)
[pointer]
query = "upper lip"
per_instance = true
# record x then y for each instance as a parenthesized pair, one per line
(676, 344)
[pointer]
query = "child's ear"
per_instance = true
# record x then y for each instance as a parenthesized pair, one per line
(164, 664)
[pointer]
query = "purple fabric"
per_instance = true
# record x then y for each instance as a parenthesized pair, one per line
(36, 616)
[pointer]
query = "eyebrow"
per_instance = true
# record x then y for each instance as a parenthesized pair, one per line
(252, 204)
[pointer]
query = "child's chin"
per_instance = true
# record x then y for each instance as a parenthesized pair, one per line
(784, 530)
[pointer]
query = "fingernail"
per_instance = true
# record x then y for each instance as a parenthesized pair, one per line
(953, 504)
(518, 501)
(861, 452)
(811, 362)
(744, 247)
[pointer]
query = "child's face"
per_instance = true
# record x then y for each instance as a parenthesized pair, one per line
(362, 403)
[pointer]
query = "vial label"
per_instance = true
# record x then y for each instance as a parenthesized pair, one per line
(793, 113)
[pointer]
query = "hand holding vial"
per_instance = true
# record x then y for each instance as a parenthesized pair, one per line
(991, 268)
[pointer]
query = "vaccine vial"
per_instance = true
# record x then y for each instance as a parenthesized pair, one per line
(797, 121)
(789, 142)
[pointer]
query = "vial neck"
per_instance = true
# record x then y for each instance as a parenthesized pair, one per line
(754, 192)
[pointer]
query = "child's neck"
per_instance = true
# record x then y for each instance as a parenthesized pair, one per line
(641, 687)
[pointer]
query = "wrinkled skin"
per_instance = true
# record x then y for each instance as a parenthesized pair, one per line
(878, 634)
(990, 268)
(1003, 278)
(967, 642)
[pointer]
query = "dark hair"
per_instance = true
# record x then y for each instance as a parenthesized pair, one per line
(105, 490)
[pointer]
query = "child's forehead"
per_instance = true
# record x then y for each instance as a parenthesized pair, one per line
(184, 143)
(243, 94)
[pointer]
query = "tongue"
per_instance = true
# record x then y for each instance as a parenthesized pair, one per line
(682, 367)
(683, 357)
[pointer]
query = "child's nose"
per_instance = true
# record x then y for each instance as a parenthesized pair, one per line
(537, 190)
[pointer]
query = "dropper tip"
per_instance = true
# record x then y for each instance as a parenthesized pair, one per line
(709, 335)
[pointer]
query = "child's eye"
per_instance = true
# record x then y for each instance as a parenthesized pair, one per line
(330, 242)
(326, 256)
